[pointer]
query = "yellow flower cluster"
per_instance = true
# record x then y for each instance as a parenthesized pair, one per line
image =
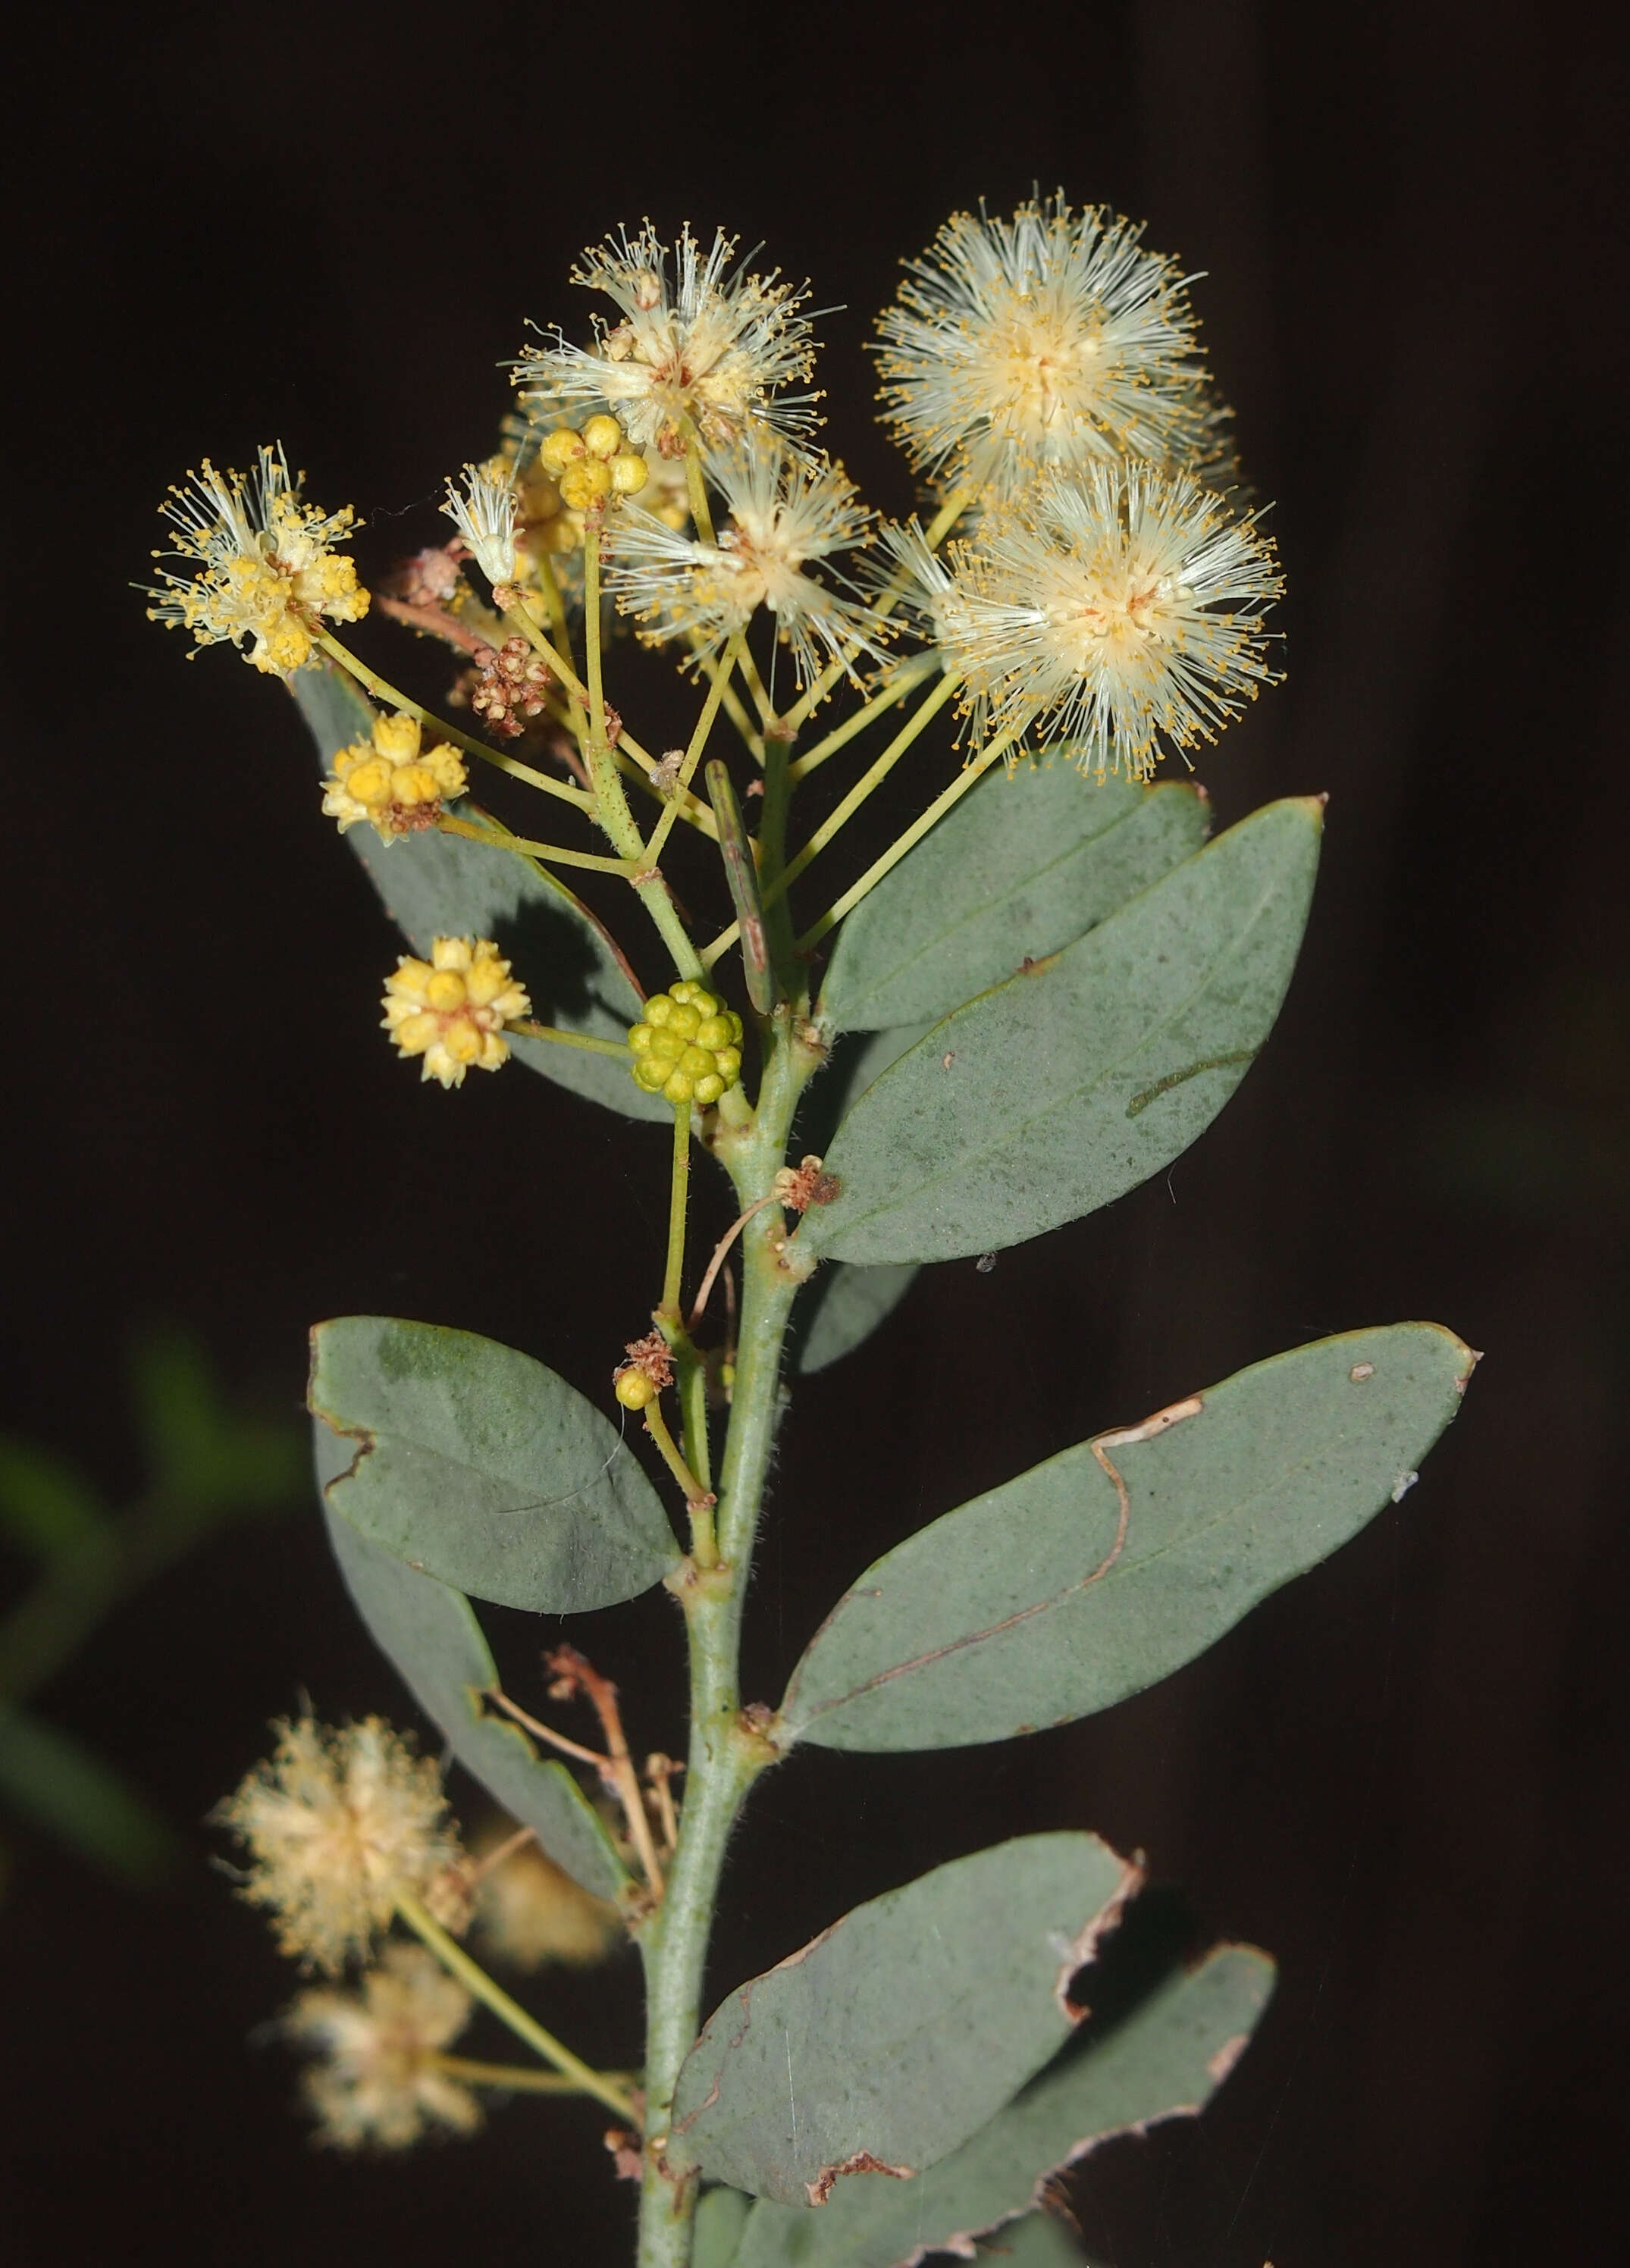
(390, 782)
(688, 1047)
(261, 564)
(452, 1008)
(593, 464)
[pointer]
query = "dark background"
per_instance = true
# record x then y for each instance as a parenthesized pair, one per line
(1406, 1774)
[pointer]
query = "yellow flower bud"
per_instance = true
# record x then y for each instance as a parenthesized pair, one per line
(588, 484)
(639, 1038)
(415, 783)
(396, 738)
(559, 449)
(370, 781)
(713, 1032)
(650, 1072)
(445, 992)
(709, 1088)
(603, 435)
(629, 472)
(634, 1390)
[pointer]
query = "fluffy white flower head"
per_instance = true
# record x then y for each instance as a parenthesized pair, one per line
(339, 1823)
(484, 516)
(1051, 339)
(785, 511)
(1110, 612)
(699, 341)
(377, 2080)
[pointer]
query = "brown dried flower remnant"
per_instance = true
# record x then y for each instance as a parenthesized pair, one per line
(800, 1185)
(511, 688)
(339, 1824)
(431, 577)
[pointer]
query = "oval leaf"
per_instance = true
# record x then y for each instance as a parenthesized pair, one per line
(1070, 1083)
(1018, 869)
(1164, 2060)
(476, 1464)
(721, 2216)
(432, 1635)
(1017, 1610)
(440, 886)
(896, 2034)
(847, 1304)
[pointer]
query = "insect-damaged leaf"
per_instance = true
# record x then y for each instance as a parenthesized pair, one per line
(897, 2033)
(430, 1633)
(1018, 868)
(476, 1464)
(1064, 1087)
(1163, 2061)
(437, 885)
(1016, 1611)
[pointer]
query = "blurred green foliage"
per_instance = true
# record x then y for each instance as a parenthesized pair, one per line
(209, 1464)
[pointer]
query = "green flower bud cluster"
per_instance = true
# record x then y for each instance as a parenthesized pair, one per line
(688, 1047)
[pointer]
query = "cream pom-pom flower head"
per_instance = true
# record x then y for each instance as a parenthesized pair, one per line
(1109, 612)
(1049, 340)
(787, 514)
(699, 344)
(451, 1008)
(378, 2078)
(340, 1823)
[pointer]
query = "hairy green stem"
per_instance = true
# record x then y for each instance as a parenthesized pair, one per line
(726, 1753)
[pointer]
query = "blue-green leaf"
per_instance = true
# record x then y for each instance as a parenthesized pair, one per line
(473, 1463)
(897, 2034)
(441, 886)
(1019, 868)
(432, 1635)
(721, 2216)
(1165, 2060)
(847, 1305)
(1031, 1605)
(1069, 1084)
